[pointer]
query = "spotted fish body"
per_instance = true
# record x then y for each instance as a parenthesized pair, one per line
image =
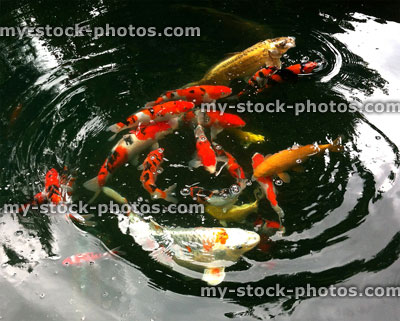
(151, 167)
(158, 113)
(205, 154)
(269, 76)
(195, 94)
(128, 147)
(209, 250)
(247, 62)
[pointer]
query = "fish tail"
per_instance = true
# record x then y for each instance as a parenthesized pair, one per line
(92, 184)
(336, 146)
(116, 128)
(117, 251)
(150, 104)
(169, 194)
(114, 195)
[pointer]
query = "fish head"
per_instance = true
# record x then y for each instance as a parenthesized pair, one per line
(222, 91)
(278, 46)
(239, 241)
(308, 67)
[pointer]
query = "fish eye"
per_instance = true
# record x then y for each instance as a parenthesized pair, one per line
(239, 247)
(203, 138)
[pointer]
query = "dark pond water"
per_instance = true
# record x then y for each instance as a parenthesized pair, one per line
(342, 214)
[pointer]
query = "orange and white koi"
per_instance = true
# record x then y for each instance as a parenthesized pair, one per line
(150, 168)
(269, 76)
(267, 186)
(205, 154)
(218, 122)
(128, 149)
(162, 112)
(195, 94)
(88, 257)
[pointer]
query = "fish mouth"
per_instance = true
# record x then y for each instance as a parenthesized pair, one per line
(253, 240)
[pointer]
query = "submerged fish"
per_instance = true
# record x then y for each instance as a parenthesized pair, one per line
(194, 94)
(279, 163)
(158, 113)
(246, 63)
(267, 187)
(88, 257)
(218, 122)
(237, 213)
(224, 198)
(208, 250)
(247, 138)
(205, 154)
(269, 76)
(151, 167)
(128, 149)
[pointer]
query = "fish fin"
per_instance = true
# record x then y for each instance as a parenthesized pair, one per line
(169, 191)
(215, 131)
(337, 145)
(284, 177)
(66, 187)
(117, 251)
(140, 167)
(94, 196)
(114, 128)
(299, 169)
(214, 276)
(135, 160)
(231, 54)
(114, 195)
(223, 223)
(257, 159)
(195, 163)
(221, 168)
(155, 146)
(162, 256)
(112, 137)
(150, 104)
(92, 184)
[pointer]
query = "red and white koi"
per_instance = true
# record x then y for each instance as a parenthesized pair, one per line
(88, 257)
(195, 94)
(205, 154)
(128, 149)
(233, 166)
(269, 76)
(151, 167)
(267, 186)
(162, 112)
(218, 122)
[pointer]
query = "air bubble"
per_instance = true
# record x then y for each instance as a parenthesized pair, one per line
(42, 295)
(378, 137)
(185, 191)
(234, 189)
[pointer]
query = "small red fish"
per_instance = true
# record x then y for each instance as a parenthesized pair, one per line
(195, 94)
(267, 186)
(205, 154)
(218, 122)
(233, 166)
(151, 167)
(88, 257)
(158, 113)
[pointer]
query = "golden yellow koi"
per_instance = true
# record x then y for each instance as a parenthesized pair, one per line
(279, 163)
(244, 64)
(247, 138)
(234, 214)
